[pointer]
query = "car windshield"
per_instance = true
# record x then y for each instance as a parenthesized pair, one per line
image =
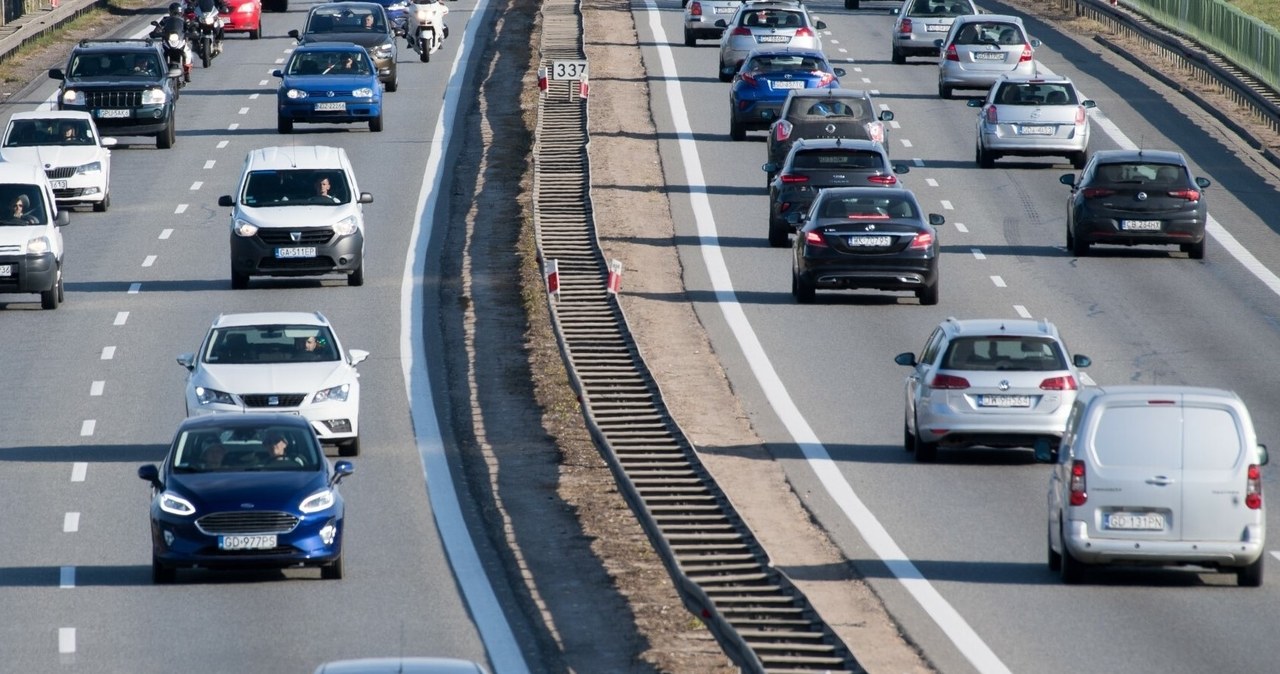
(942, 8)
(144, 65)
(345, 20)
(772, 18)
(868, 207)
(1142, 173)
(1004, 352)
(989, 32)
(1033, 93)
(316, 187)
(270, 344)
(837, 159)
(241, 447)
(21, 205)
(777, 63)
(852, 108)
(29, 132)
(330, 63)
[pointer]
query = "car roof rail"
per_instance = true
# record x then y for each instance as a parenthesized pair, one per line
(123, 42)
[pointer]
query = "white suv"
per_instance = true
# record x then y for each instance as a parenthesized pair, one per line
(30, 234)
(289, 362)
(298, 212)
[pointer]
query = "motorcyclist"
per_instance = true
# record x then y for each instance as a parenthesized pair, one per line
(206, 6)
(174, 23)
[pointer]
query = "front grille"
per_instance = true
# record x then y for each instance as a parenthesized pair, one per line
(284, 236)
(273, 264)
(281, 399)
(113, 99)
(247, 522)
(71, 193)
(60, 172)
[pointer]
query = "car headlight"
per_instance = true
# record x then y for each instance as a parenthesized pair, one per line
(334, 394)
(244, 228)
(91, 167)
(72, 97)
(398, 6)
(173, 40)
(208, 396)
(176, 505)
(321, 500)
(383, 51)
(347, 226)
(246, 8)
(38, 246)
(363, 92)
(153, 97)
(295, 94)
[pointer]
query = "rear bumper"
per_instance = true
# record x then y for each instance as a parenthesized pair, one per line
(1145, 551)
(1098, 229)
(1013, 144)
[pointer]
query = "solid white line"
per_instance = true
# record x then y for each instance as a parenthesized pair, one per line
(1022, 311)
(79, 470)
(209, 164)
(221, 144)
(500, 643)
(961, 228)
(148, 260)
(95, 389)
(66, 640)
(196, 185)
(70, 523)
(87, 426)
(978, 254)
(67, 577)
(998, 281)
(166, 233)
(108, 352)
(827, 471)
(121, 318)
(182, 208)
(134, 288)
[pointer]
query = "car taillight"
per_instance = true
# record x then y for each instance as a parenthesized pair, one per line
(905, 26)
(1189, 195)
(741, 31)
(1080, 114)
(880, 179)
(804, 32)
(875, 131)
(951, 54)
(992, 115)
(949, 381)
(1077, 485)
(923, 241)
(815, 239)
(782, 131)
(784, 207)
(1067, 383)
(1095, 192)
(823, 78)
(695, 9)
(793, 178)
(749, 79)
(1253, 488)
(1026, 54)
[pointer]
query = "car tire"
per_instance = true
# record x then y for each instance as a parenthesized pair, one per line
(284, 125)
(1079, 247)
(255, 33)
(725, 76)
(332, 570)
(690, 40)
(239, 281)
(898, 57)
(779, 235)
(161, 574)
(1071, 570)
(983, 158)
(49, 299)
(908, 438)
(944, 91)
(350, 447)
(851, 4)
(102, 206)
(928, 295)
(1194, 250)
(736, 130)
(62, 288)
(1054, 558)
(356, 278)
(165, 139)
(801, 290)
(1079, 159)
(1250, 576)
(375, 124)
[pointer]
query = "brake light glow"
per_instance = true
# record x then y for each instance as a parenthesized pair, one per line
(814, 238)
(1026, 54)
(741, 31)
(905, 26)
(949, 381)
(1079, 493)
(992, 115)
(1095, 192)
(1189, 195)
(695, 9)
(1080, 114)
(879, 179)
(804, 32)
(951, 54)
(922, 241)
(1253, 488)
(1067, 383)
(750, 79)
(793, 178)
(782, 131)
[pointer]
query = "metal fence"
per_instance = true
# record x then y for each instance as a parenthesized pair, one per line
(1248, 42)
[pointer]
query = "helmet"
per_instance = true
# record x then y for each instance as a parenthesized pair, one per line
(175, 9)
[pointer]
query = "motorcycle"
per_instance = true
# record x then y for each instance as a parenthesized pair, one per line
(177, 50)
(207, 25)
(425, 28)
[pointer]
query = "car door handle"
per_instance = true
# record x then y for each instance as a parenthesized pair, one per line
(1159, 481)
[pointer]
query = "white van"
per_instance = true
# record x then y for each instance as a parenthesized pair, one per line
(1164, 475)
(30, 235)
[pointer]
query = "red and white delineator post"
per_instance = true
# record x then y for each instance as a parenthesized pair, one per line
(542, 80)
(552, 272)
(583, 87)
(615, 277)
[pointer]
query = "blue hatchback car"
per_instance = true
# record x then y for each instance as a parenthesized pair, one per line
(762, 83)
(328, 83)
(245, 491)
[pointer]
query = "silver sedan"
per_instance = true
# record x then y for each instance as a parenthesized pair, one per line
(1032, 117)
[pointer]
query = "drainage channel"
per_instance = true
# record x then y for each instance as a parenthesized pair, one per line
(761, 620)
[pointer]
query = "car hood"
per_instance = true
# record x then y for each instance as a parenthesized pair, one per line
(266, 490)
(297, 215)
(52, 155)
(275, 378)
(14, 238)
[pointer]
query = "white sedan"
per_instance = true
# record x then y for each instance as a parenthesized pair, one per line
(66, 144)
(289, 362)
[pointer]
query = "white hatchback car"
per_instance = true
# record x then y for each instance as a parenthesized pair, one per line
(1157, 475)
(1032, 117)
(66, 144)
(289, 362)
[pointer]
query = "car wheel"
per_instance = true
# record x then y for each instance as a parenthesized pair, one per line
(736, 130)
(1250, 576)
(161, 574)
(102, 206)
(375, 124)
(802, 290)
(356, 278)
(944, 91)
(850, 4)
(1079, 247)
(690, 40)
(255, 33)
(62, 295)
(332, 570)
(779, 235)
(1071, 569)
(50, 298)
(926, 452)
(1079, 159)
(725, 76)
(1194, 250)
(350, 447)
(284, 125)
(166, 138)
(928, 295)
(239, 281)
(908, 438)
(1055, 559)
(393, 85)
(898, 57)
(983, 158)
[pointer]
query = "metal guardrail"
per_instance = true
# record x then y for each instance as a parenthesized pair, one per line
(760, 619)
(1251, 44)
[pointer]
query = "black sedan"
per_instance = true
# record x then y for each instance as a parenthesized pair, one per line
(1136, 197)
(865, 237)
(816, 164)
(245, 491)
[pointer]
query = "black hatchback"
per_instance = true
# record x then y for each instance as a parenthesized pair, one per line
(826, 113)
(813, 165)
(866, 237)
(1136, 197)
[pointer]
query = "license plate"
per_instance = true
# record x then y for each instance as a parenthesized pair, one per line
(58, 184)
(331, 105)
(787, 84)
(1134, 521)
(869, 241)
(937, 27)
(1037, 130)
(1004, 401)
(988, 56)
(726, 10)
(1140, 225)
(774, 38)
(113, 114)
(253, 542)
(6, 270)
(282, 253)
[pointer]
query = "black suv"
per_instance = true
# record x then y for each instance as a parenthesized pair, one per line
(826, 113)
(124, 84)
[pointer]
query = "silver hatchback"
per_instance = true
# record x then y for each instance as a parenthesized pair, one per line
(921, 23)
(980, 48)
(765, 25)
(700, 17)
(991, 383)
(1032, 117)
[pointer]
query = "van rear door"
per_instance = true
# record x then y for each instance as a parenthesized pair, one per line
(1214, 472)
(1134, 480)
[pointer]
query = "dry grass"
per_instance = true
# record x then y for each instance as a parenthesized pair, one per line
(1266, 10)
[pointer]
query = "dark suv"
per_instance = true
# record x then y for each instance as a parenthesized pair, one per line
(124, 84)
(826, 113)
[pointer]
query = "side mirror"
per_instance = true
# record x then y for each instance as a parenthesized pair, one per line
(151, 474)
(1068, 179)
(1045, 452)
(342, 469)
(975, 102)
(1263, 458)
(226, 200)
(1089, 104)
(187, 360)
(277, 73)
(108, 142)
(768, 115)
(720, 24)
(62, 219)
(1202, 182)
(908, 359)
(1081, 360)
(895, 11)
(937, 43)
(365, 198)
(295, 35)
(771, 167)
(820, 25)
(795, 219)
(1035, 44)
(901, 168)
(356, 356)
(56, 74)
(937, 220)
(840, 72)
(886, 116)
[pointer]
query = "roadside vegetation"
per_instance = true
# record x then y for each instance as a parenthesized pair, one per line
(1266, 10)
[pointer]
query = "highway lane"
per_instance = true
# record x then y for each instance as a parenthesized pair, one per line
(95, 392)
(973, 524)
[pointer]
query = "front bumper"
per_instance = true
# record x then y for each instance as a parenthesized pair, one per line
(254, 257)
(333, 422)
(357, 111)
(179, 543)
(80, 189)
(147, 120)
(30, 273)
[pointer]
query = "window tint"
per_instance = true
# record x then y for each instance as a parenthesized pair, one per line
(294, 187)
(244, 448)
(869, 208)
(782, 62)
(837, 159)
(1143, 173)
(990, 32)
(1017, 354)
(1146, 436)
(942, 8)
(772, 18)
(31, 201)
(256, 344)
(1025, 93)
(825, 108)
(931, 347)
(1212, 440)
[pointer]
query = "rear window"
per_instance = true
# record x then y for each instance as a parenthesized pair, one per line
(837, 159)
(772, 18)
(783, 62)
(1212, 439)
(1131, 435)
(826, 108)
(942, 8)
(1019, 354)
(868, 208)
(1028, 93)
(1143, 173)
(990, 33)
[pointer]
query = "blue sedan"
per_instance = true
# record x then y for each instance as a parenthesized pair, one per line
(762, 83)
(245, 491)
(328, 83)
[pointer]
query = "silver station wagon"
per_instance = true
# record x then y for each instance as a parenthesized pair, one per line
(1032, 117)
(921, 23)
(980, 48)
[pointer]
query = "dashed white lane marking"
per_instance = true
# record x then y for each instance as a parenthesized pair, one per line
(834, 41)
(87, 426)
(233, 126)
(930, 182)
(917, 161)
(244, 111)
(1022, 311)
(134, 288)
(874, 92)
(67, 577)
(279, 61)
(254, 97)
(1088, 381)
(71, 523)
(182, 208)
(842, 50)
(263, 83)
(96, 388)
(978, 254)
(893, 124)
(999, 282)
(79, 470)
(947, 205)
(961, 228)
(148, 260)
(272, 71)
(222, 144)
(857, 70)
(866, 80)
(121, 318)
(209, 164)
(166, 233)
(66, 640)
(1274, 553)
(108, 352)
(196, 185)
(905, 142)
(884, 106)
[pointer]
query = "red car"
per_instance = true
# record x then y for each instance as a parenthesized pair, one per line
(246, 17)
